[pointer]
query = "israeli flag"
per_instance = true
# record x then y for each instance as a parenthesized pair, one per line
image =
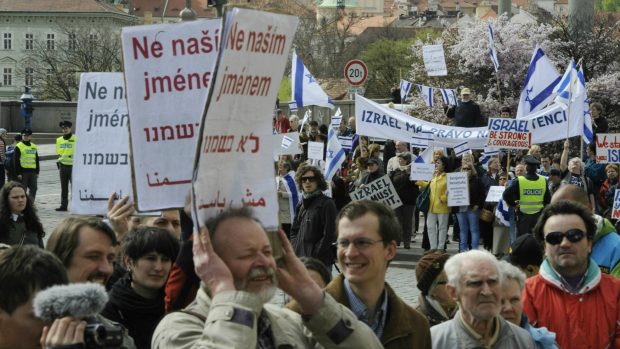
(488, 153)
(336, 119)
(422, 139)
(306, 90)
(502, 213)
(571, 92)
(426, 157)
(305, 119)
(292, 105)
(291, 189)
(449, 96)
(405, 87)
(427, 93)
(541, 79)
(287, 141)
(461, 149)
(492, 50)
(335, 155)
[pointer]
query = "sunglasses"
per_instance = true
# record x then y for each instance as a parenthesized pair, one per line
(308, 179)
(572, 235)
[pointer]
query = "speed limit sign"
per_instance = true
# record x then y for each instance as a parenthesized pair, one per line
(355, 72)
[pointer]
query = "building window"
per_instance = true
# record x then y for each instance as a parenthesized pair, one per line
(72, 41)
(50, 41)
(7, 77)
(29, 41)
(8, 41)
(29, 76)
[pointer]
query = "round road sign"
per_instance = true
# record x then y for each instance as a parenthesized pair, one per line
(355, 72)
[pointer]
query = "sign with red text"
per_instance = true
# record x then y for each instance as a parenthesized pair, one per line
(168, 73)
(509, 133)
(356, 72)
(101, 163)
(607, 148)
(234, 158)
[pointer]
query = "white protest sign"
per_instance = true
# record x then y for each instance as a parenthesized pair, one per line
(615, 213)
(239, 111)
(509, 133)
(293, 148)
(374, 120)
(607, 148)
(421, 171)
(495, 193)
(168, 71)
(315, 150)
(434, 60)
(458, 189)
(380, 190)
(101, 163)
(346, 142)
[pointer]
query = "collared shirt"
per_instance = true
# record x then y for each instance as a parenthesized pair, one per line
(363, 313)
(479, 337)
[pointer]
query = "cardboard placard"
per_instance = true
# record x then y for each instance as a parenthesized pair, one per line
(421, 171)
(458, 189)
(615, 213)
(381, 190)
(495, 193)
(434, 60)
(315, 150)
(509, 133)
(607, 148)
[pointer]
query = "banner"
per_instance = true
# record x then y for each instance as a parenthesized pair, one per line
(509, 133)
(552, 124)
(381, 190)
(168, 73)
(458, 189)
(236, 140)
(101, 160)
(615, 213)
(434, 60)
(375, 120)
(608, 148)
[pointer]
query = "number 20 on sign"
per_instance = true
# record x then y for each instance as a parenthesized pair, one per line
(356, 72)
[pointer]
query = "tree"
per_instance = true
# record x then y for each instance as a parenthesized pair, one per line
(608, 5)
(388, 61)
(54, 66)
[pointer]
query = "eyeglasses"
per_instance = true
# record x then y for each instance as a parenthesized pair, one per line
(572, 235)
(308, 179)
(360, 243)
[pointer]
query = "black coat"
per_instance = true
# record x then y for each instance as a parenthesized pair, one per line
(477, 194)
(314, 229)
(466, 114)
(407, 190)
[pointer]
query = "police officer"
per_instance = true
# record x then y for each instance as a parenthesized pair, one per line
(65, 147)
(528, 195)
(27, 162)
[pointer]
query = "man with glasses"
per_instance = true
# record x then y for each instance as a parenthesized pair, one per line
(65, 147)
(367, 232)
(570, 296)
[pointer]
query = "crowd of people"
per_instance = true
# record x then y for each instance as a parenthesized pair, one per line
(536, 268)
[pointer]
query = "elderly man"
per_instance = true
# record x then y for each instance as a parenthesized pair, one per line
(573, 173)
(467, 112)
(393, 164)
(367, 233)
(236, 264)
(570, 296)
(474, 281)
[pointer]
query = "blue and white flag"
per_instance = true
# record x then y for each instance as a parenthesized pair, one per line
(449, 96)
(426, 157)
(488, 153)
(336, 119)
(427, 93)
(422, 139)
(492, 50)
(461, 149)
(502, 213)
(405, 87)
(287, 141)
(539, 83)
(334, 156)
(292, 106)
(306, 90)
(305, 119)
(571, 92)
(291, 189)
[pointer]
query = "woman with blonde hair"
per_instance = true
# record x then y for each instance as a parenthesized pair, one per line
(438, 212)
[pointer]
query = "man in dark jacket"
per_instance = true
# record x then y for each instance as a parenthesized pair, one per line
(407, 190)
(313, 230)
(467, 112)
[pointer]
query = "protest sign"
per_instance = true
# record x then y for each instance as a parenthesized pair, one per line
(346, 142)
(282, 147)
(380, 190)
(168, 72)
(421, 171)
(509, 133)
(495, 193)
(100, 166)
(615, 213)
(458, 189)
(607, 148)
(234, 164)
(374, 120)
(434, 60)
(315, 150)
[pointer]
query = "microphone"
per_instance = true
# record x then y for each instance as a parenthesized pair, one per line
(80, 301)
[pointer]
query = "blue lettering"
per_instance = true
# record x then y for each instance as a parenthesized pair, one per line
(613, 155)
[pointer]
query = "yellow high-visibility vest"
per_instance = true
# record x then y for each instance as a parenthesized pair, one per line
(65, 149)
(27, 155)
(531, 194)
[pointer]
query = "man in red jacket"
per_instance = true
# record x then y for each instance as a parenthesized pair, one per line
(570, 296)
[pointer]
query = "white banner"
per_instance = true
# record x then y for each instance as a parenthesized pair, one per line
(234, 166)
(552, 124)
(607, 148)
(421, 171)
(458, 189)
(168, 71)
(101, 163)
(380, 190)
(434, 60)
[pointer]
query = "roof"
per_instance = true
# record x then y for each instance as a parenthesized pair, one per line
(156, 7)
(333, 3)
(490, 14)
(453, 3)
(361, 24)
(71, 6)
